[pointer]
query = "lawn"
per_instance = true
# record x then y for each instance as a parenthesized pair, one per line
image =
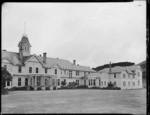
(75, 101)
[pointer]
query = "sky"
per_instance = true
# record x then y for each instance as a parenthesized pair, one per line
(91, 33)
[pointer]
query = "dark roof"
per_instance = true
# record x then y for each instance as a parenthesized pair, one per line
(63, 64)
(143, 62)
(13, 57)
(24, 40)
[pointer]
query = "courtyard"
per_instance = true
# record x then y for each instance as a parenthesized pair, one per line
(75, 101)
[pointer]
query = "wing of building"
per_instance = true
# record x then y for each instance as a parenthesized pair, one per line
(39, 71)
(128, 77)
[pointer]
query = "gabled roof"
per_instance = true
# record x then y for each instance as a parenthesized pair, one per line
(141, 63)
(12, 57)
(119, 69)
(63, 64)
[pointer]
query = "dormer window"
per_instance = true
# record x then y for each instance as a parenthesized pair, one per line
(124, 75)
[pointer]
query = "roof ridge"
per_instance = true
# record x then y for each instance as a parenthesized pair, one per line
(10, 51)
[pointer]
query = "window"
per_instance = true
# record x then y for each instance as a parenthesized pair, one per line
(65, 72)
(124, 75)
(19, 69)
(45, 70)
(53, 82)
(38, 81)
(114, 75)
(5, 66)
(99, 82)
(94, 82)
(124, 83)
(8, 83)
(19, 81)
(84, 73)
(88, 72)
(26, 81)
(138, 82)
(128, 83)
(138, 74)
(102, 82)
(89, 82)
(133, 83)
(58, 82)
(70, 74)
(30, 69)
(77, 81)
(55, 71)
(133, 76)
(37, 70)
(77, 73)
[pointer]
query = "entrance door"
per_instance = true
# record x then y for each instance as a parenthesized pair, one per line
(46, 82)
(38, 81)
(84, 82)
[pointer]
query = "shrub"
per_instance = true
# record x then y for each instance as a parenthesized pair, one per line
(47, 88)
(18, 88)
(82, 87)
(54, 88)
(39, 88)
(95, 87)
(31, 88)
(114, 88)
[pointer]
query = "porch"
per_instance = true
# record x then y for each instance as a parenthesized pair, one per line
(42, 80)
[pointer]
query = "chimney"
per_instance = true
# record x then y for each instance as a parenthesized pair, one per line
(44, 57)
(110, 67)
(74, 62)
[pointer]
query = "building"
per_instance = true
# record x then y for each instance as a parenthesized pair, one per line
(91, 80)
(129, 77)
(39, 71)
(143, 66)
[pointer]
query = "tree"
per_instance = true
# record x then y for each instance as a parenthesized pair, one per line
(5, 76)
(110, 85)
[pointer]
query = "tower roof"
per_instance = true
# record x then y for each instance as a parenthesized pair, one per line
(24, 40)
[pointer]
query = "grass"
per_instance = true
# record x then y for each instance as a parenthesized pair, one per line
(75, 101)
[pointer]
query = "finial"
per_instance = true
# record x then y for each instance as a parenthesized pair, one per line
(25, 34)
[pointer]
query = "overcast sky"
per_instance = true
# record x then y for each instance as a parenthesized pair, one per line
(91, 33)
